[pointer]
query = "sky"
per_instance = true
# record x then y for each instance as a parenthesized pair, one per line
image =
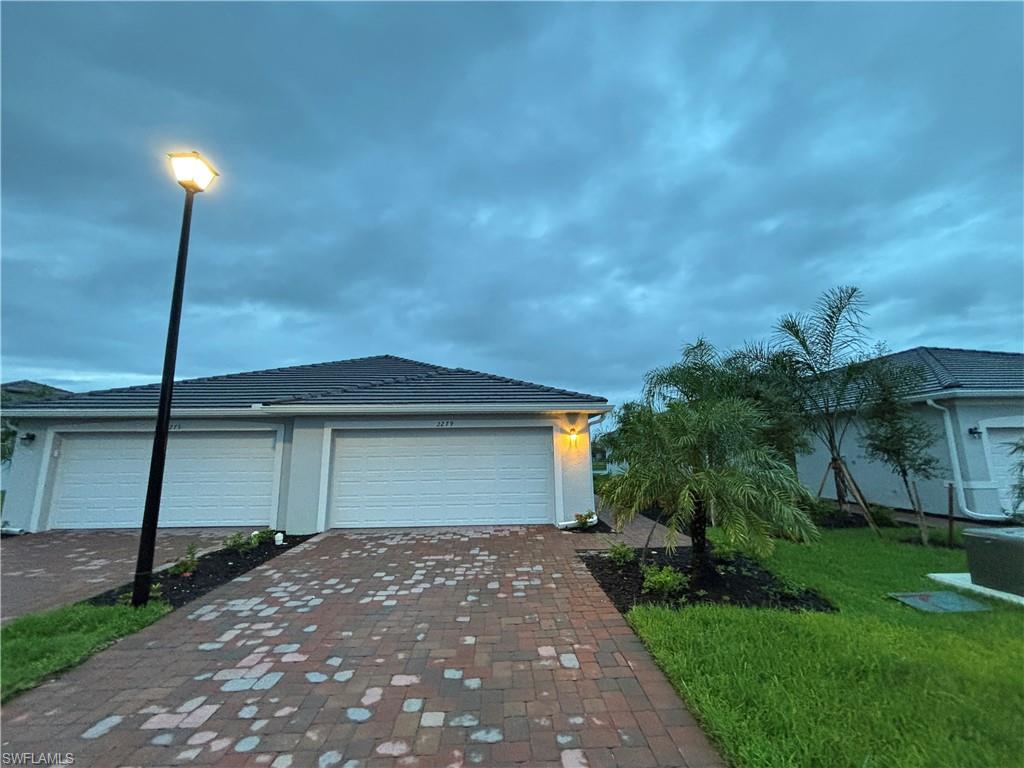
(565, 194)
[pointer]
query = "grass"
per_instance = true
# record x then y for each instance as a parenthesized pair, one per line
(39, 645)
(876, 685)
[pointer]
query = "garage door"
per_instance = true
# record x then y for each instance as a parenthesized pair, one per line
(441, 477)
(1004, 461)
(211, 478)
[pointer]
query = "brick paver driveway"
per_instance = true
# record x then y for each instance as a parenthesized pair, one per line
(45, 570)
(471, 646)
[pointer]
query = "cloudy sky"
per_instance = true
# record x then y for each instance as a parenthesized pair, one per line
(564, 194)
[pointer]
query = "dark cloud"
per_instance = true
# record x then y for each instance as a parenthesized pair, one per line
(559, 193)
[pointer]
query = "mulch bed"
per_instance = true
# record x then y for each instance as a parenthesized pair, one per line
(839, 519)
(214, 569)
(732, 580)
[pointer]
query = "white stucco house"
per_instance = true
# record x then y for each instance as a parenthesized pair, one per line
(376, 441)
(975, 402)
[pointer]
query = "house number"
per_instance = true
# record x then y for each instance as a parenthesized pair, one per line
(445, 423)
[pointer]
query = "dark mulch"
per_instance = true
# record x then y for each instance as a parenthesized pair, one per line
(599, 527)
(730, 580)
(839, 519)
(213, 570)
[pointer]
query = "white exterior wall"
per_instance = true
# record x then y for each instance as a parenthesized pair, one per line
(882, 486)
(305, 459)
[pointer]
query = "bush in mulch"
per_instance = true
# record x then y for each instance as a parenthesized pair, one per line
(599, 527)
(211, 571)
(728, 580)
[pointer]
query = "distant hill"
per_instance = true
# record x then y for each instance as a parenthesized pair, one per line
(25, 390)
(21, 392)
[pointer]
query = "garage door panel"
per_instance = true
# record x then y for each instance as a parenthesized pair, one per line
(448, 477)
(211, 478)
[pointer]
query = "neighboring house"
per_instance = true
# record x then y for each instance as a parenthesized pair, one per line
(18, 392)
(376, 441)
(975, 402)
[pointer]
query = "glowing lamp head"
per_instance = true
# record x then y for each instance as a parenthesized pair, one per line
(573, 437)
(193, 171)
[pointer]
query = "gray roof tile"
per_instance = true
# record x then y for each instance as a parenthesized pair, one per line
(946, 370)
(382, 380)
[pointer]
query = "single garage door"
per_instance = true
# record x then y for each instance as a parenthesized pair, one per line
(441, 477)
(211, 478)
(1003, 440)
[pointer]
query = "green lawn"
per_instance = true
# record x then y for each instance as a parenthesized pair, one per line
(36, 646)
(876, 685)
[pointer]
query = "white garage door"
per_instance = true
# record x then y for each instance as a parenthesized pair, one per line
(441, 477)
(1004, 461)
(211, 478)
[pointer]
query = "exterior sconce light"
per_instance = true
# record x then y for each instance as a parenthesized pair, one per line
(27, 438)
(573, 437)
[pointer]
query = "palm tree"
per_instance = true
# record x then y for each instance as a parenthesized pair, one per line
(831, 368)
(753, 373)
(705, 462)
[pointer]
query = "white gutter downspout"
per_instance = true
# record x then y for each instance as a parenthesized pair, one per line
(563, 524)
(954, 460)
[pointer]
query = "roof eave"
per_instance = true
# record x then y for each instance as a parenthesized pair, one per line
(258, 409)
(954, 393)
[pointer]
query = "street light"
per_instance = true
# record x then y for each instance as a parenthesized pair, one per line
(195, 174)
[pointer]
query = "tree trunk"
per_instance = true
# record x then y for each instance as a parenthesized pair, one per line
(837, 474)
(915, 504)
(647, 543)
(699, 534)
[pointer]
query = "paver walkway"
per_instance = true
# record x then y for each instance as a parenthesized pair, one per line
(421, 647)
(45, 570)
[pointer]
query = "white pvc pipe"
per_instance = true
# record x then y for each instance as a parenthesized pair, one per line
(954, 459)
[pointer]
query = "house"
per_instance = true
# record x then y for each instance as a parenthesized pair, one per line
(975, 402)
(375, 441)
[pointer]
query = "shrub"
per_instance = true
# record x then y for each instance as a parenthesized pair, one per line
(664, 582)
(187, 563)
(621, 554)
(883, 517)
(584, 520)
(260, 538)
(238, 542)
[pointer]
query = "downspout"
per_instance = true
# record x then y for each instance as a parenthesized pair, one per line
(954, 459)
(563, 524)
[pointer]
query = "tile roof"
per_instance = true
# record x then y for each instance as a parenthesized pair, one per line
(383, 380)
(946, 370)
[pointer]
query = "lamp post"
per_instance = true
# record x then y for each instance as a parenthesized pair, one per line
(195, 174)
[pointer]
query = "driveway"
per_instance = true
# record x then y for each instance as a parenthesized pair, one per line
(45, 570)
(419, 647)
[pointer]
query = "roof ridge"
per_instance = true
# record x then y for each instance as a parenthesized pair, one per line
(946, 379)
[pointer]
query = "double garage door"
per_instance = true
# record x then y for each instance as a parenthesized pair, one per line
(378, 478)
(440, 477)
(211, 478)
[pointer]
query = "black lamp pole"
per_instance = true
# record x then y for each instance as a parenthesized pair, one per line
(151, 515)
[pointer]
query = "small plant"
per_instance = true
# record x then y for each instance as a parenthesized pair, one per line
(259, 538)
(621, 554)
(187, 564)
(584, 520)
(664, 582)
(156, 594)
(238, 542)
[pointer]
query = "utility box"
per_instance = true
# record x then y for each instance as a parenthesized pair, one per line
(995, 557)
